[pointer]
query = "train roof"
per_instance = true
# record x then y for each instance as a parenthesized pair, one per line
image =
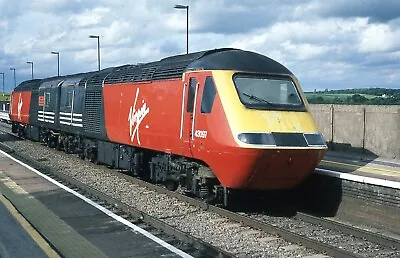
(216, 59)
(239, 60)
(28, 85)
(172, 67)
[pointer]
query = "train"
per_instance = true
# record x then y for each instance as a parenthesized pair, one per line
(209, 122)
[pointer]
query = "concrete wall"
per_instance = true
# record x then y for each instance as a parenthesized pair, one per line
(365, 129)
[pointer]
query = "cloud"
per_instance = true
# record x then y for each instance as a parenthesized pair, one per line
(379, 38)
(325, 43)
(377, 10)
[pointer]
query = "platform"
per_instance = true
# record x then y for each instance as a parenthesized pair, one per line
(72, 226)
(362, 165)
(16, 232)
(4, 117)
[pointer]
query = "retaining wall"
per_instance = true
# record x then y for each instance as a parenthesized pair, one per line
(365, 129)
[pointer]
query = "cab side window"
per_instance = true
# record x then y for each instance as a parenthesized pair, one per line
(47, 99)
(69, 99)
(209, 92)
(191, 94)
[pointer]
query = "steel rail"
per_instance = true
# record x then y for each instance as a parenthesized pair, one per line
(358, 232)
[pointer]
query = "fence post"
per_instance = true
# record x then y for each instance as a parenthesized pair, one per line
(364, 130)
(332, 125)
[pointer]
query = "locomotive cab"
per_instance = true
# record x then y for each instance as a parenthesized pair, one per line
(275, 140)
(259, 132)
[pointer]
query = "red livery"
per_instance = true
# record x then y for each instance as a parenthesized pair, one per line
(207, 121)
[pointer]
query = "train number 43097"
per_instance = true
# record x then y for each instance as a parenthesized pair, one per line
(200, 134)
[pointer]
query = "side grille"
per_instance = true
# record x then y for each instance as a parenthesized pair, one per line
(93, 106)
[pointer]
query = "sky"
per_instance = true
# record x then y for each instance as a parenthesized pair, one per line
(327, 44)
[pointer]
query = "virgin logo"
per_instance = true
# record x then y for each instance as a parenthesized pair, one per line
(20, 103)
(136, 117)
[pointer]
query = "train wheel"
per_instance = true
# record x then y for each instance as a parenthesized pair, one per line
(92, 156)
(58, 146)
(171, 185)
(230, 198)
(226, 197)
(81, 155)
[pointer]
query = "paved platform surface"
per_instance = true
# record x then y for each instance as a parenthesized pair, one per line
(362, 165)
(15, 232)
(72, 226)
(4, 116)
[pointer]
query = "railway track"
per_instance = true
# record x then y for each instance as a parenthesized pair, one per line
(322, 235)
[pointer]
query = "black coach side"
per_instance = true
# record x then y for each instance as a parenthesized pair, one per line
(71, 105)
(48, 103)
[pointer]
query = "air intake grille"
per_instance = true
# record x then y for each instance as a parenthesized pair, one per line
(167, 68)
(93, 106)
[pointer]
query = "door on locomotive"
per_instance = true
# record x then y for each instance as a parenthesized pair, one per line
(71, 103)
(48, 94)
(189, 92)
(197, 101)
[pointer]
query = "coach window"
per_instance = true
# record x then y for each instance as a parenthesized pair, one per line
(69, 98)
(47, 99)
(191, 94)
(209, 92)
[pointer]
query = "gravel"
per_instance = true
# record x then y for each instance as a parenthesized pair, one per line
(332, 237)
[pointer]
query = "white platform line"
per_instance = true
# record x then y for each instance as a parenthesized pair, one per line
(357, 178)
(101, 208)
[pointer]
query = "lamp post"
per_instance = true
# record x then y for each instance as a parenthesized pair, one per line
(98, 47)
(58, 61)
(3, 83)
(179, 6)
(29, 62)
(15, 81)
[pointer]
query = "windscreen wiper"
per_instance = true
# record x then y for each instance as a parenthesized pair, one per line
(257, 98)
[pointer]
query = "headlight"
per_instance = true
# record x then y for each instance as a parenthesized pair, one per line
(283, 139)
(257, 138)
(314, 139)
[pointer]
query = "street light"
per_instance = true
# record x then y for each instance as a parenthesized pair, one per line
(15, 81)
(179, 6)
(98, 47)
(58, 61)
(3, 83)
(29, 62)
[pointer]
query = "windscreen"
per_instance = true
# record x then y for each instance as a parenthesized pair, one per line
(268, 92)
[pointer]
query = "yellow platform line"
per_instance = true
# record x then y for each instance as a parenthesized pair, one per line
(29, 229)
(62, 236)
(361, 168)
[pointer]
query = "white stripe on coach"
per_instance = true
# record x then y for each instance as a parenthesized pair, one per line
(65, 118)
(46, 116)
(69, 119)
(45, 120)
(46, 112)
(69, 114)
(69, 123)
(104, 210)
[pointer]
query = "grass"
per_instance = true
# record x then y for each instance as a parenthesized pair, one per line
(4, 97)
(332, 96)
